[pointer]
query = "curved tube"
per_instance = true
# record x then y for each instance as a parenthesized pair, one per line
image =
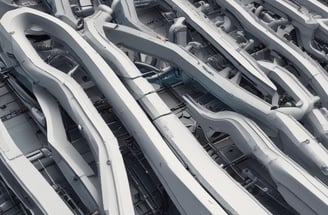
(179, 183)
(20, 174)
(274, 24)
(115, 191)
(178, 30)
(295, 135)
(114, 4)
(86, 185)
(314, 73)
(258, 11)
(303, 98)
(293, 10)
(62, 10)
(308, 46)
(128, 16)
(317, 122)
(309, 193)
(308, 25)
(221, 41)
(314, 119)
(152, 103)
(177, 135)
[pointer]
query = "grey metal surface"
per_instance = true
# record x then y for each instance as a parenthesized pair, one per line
(83, 179)
(137, 116)
(298, 140)
(30, 181)
(62, 10)
(219, 39)
(176, 134)
(301, 190)
(111, 86)
(112, 174)
(315, 75)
